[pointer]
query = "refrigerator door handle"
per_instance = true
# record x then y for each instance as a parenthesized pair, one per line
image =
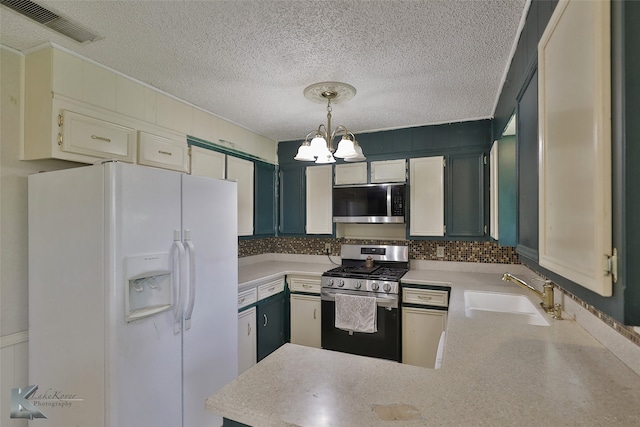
(191, 253)
(181, 280)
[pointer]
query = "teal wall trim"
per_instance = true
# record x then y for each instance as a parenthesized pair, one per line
(192, 140)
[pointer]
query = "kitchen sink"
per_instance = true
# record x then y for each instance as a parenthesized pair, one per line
(511, 307)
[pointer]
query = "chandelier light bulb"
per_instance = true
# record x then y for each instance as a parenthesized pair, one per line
(345, 149)
(319, 146)
(305, 153)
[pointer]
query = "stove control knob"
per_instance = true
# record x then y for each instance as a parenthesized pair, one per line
(374, 286)
(341, 284)
(386, 287)
(330, 282)
(358, 284)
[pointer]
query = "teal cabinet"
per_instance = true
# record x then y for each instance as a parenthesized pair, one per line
(265, 199)
(465, 195)
(271, 319)
(507, 191)
(292, 199)
(527, 170)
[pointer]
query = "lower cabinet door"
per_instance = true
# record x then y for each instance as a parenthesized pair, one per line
(271, 322)
(247, 343)
(421, 331)
(305, 320)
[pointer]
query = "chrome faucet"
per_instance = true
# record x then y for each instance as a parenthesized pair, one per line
(546, 295)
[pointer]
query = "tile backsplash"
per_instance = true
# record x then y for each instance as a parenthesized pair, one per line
(484, 252)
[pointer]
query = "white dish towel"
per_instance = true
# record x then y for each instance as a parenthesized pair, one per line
(356, 313)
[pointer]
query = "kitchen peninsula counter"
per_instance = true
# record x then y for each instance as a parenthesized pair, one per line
(495, 372)
(251, 275)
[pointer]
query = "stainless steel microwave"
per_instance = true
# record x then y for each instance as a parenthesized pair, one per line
(375, 203)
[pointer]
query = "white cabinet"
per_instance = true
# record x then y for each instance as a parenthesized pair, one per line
(160, 152)
(389, 171)
(423, 325)
(319, 200)
(270, 288)
(247, 343)
(308, 284)
(421, 333)
(493, 191)
(305, 320)
(355, 173)
(574, 102)
(305, 310)
(207, 163)
(241, 171)
(426, 194)
(89, 136)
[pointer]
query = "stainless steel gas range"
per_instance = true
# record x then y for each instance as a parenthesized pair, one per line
(367, 271)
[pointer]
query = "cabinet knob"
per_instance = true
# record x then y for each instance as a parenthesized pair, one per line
(314, 313)
(248, 329)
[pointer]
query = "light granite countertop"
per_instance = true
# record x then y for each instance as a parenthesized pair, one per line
(495, 372)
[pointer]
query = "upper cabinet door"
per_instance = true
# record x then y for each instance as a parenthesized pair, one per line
(389, 171)
(527, 170)
(160, 152)
(207, 163)
(575, 144)
(242, 171)
(319, 200)
(265, 199)
(292, 199)
(493, 191)
(465, 182)
(97, 138)
(353, 173)
(426, 187)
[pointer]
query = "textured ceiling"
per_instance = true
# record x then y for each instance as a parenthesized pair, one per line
(411, 62)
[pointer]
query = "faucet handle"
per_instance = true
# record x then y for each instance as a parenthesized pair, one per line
(546, 281)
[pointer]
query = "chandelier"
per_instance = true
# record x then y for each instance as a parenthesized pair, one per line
(320, 148)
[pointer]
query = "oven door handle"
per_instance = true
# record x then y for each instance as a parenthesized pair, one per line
(390, 301)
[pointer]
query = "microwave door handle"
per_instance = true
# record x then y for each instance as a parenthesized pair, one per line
(389, 213)
(191, 252)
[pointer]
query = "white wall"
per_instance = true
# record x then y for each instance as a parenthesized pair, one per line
(14, 321)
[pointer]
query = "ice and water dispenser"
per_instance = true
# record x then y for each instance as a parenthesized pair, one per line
(148, 285)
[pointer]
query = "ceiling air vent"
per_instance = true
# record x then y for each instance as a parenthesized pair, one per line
(51, 20)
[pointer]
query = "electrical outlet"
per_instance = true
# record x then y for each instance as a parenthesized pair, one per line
(440, 252)
(327, 248)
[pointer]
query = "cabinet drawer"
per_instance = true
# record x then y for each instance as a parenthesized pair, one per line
(97, 138)
(304, 284)
(270, 288)
(247, 297)
(160, 152)
(425, 297)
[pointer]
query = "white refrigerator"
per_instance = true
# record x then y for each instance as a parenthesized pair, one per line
(132, 295)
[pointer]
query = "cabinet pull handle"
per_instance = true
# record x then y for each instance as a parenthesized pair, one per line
(424, 297)
(271, 288)
(101, 138)
(314, 313)
(60, 141)
(306, 286)
(265, 320)
(242, 300)
(248, 329)
(167, 153)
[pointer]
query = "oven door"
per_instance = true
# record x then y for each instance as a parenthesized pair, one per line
(384, 344)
